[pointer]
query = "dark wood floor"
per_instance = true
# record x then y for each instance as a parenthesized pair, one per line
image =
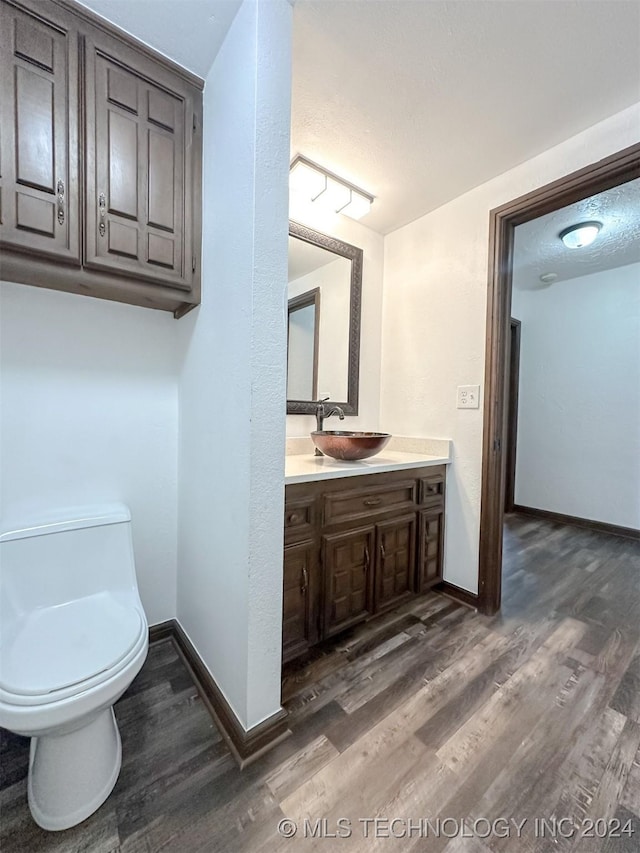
(431, 712)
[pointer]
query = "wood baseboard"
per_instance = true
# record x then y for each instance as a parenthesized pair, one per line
(245, 745)
(599, 526)
(463, 596)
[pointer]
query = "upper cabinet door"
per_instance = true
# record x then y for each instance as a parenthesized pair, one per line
(39, 207)
(139, 131)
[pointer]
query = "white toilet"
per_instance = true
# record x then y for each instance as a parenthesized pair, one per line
(73, 635)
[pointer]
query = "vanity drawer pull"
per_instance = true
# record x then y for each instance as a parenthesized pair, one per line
(373, 502)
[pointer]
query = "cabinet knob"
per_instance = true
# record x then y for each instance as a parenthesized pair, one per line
(60, 191)
(293, 518)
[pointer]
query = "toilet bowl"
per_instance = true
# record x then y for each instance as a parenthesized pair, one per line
(73, 635)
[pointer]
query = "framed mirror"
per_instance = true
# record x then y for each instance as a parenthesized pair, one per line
(323, 331)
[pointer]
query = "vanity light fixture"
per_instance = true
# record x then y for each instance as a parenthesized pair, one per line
(580, 235)
(328, 190)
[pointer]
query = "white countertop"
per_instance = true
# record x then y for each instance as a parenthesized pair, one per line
(304, 468)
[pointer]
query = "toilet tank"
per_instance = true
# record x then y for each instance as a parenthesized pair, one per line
(69, 554)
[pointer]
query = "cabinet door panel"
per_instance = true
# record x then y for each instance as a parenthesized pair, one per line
(346, 560)
(122, 153)
(38, 135)
(138, 169)
(299, 625)
(161, 180)
(395, 560)
(431, 547)
(35, 119)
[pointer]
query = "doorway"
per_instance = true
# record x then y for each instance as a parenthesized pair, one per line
(605, 174)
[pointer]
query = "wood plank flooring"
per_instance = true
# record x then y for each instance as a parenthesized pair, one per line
(515, 733)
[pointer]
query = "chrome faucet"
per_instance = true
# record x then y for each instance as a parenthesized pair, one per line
(323, 412)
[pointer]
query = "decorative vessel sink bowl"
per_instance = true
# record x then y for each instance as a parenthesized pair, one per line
(349, 445)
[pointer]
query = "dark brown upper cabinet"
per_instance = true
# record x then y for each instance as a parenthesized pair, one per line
(138, 168)
(39, 202)
(134, 232)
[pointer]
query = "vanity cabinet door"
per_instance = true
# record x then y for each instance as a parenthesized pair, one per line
(39, 206)
(347, 560)
(430, 547)
(395, 561)
(139, 125)
(299, 618)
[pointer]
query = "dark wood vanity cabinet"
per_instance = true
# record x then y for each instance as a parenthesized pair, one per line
(357, 546)
(133, 234)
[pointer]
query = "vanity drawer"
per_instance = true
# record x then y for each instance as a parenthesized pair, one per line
(364, 502)
(299, 518)
(431, 490)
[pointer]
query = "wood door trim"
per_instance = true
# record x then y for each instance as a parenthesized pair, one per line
(610, 172)
(511, 434)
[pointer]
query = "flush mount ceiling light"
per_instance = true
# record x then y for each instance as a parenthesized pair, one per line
(312, 182)
(580, 235)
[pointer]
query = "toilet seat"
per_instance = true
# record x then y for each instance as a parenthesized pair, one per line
(81, 644)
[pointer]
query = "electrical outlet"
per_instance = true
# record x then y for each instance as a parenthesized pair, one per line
(468, 396)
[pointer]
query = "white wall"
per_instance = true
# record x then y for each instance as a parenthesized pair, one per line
(578, 450)
(350, 231)
(89, 413)
(434, 322)
(232, 385)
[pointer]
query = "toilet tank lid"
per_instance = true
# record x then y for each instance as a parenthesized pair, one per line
(70, 518)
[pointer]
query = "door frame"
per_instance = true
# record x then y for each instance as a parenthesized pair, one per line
(511, 431)
(600, 176)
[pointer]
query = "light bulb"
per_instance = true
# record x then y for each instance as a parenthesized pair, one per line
(581, 235)
(306, 181)
(357, 207)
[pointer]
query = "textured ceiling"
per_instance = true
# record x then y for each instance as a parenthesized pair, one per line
(188, 31)
(420, 101)
(539, 250)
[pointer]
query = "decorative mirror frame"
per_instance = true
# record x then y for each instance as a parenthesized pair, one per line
(354, 254)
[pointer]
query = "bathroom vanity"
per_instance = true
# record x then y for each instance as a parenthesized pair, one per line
(360, 538)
